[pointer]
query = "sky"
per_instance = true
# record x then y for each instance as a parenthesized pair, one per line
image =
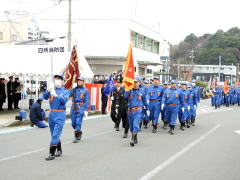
(174, 19)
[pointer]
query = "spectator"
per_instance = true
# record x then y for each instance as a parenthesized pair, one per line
(104, 99)
(36, 115)
(2, 93)
(10, 92)
(16, 92)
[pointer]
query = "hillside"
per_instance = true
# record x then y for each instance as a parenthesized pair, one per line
(209, 47)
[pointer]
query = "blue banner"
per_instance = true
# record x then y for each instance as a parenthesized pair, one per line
(110, 86)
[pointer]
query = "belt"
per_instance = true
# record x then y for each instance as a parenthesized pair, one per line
(135, 108)
(57, 110)
(172, 104)
(81, 103)
(154, 100)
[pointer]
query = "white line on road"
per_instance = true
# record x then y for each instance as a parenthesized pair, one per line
(237, 131)
(173, 158)
(41, 149)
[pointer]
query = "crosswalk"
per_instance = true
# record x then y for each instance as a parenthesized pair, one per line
(208, 109)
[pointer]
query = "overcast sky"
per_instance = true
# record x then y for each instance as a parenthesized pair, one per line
(177, 18)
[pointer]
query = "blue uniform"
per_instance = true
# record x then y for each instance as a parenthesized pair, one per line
(145, 116)
(232, 96)
(57, 116)
(171, 99)
(227, 98)
(163, 111)
(238, 96)
(144, 89)
(183, 114)
(36, 115)
(136, 102)
(155, 94)
(192, 103)
(216, 97)
(80, 103)
(197, 91)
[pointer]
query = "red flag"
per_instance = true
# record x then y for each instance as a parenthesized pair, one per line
(128, 78)
(71, 72)
(225, 87)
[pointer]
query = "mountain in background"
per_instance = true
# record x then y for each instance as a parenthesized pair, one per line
(209, 47)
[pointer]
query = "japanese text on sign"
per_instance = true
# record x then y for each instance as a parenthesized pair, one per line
(51, 49)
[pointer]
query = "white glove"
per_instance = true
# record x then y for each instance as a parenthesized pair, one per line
(112, 98)
(162, 106)
(182, 109)
(195, 107)
(74, 85)
(85, 114)
(51, 86)
(53, 92)
(148, 113)
(116, 111)
(188, 108)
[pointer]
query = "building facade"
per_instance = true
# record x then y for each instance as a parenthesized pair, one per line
(105, 45)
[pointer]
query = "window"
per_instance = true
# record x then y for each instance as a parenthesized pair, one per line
(149, 71)
(1, 35)
(156, 47)
(14, 37)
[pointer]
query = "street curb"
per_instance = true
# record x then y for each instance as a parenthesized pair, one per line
(14, 123)
(66, 122)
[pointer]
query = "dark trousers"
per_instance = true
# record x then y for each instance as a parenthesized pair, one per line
(10, 101)
(1, 104)
(17, 97)
(116, 118)
(104, 105)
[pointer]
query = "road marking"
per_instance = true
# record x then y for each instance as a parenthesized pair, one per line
(173, 158)
(42, 149)
(237, 131)
(29, 128)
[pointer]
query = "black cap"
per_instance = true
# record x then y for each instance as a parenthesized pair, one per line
(10, 77)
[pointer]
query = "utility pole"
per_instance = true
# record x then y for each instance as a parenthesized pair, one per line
(69, 24)
(219, 75)
(178, 73)
(192, 57)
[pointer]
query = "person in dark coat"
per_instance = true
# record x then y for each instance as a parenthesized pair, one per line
(16, 92)
(36, 115)
(2, 93)
(119, 108)
(104, 99)
(10, 92)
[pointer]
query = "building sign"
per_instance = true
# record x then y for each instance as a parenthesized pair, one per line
(51, 49)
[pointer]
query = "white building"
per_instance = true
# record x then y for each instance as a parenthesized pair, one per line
(105, 43)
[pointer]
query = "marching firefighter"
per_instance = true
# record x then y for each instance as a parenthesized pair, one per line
(136, 102)
(172, 99)
(80, 105)
(155, 93)
(184, 108)
(58, 97)
(163, 112)
(119, 108)
(146, 117)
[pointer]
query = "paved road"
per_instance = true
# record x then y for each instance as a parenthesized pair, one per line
(209, 151)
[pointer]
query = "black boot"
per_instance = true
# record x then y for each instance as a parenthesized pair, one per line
(154, 129)
(125, 133)
(140, 126)
(135, 139)
(59, 149)
(132, 141)
(145, 124)
(164, 125)
(172, 130)
(117, 128)
(51, 155)
(79, 135)
(76, 134)
(193, 122)
(188, 123)
(182, 126)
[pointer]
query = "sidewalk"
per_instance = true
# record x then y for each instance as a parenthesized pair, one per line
(7, 117)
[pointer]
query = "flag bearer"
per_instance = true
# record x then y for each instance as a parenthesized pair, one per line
(136, 102)
(58, 97)
(80, 105)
